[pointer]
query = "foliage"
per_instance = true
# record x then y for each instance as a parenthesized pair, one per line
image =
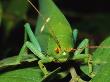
(22, 75)
(101, 58)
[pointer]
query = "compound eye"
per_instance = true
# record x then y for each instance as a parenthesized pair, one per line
(57, 50)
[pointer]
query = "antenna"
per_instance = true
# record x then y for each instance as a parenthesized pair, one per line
(35, 8)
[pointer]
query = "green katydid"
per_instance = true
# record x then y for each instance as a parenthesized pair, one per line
(53, 42)
(55, 39)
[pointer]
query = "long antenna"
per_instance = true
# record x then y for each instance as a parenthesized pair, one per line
(35, 8)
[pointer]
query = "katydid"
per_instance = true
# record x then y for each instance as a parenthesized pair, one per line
(52, 39)
(52, 43)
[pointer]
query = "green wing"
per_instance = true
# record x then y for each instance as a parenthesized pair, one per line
(58, 24)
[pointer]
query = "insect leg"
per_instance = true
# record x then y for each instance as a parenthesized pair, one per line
(84, 46)
(36, 52)
(43, 68)
(75, 34)
(32, 37)
(33, 45)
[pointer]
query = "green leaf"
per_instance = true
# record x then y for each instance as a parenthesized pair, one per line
(103, 74)
(11, 61)
(31, 74)
(22, 75)
(101, 61)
